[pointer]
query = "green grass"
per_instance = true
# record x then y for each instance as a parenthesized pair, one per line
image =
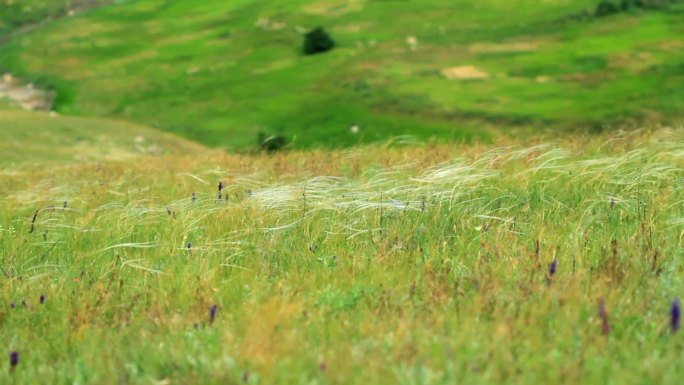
(27, 13)
(41, 138)
(411, 262)
(411, 265)
(209, 73)
(17, 13)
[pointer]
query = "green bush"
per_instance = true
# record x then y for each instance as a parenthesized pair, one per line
(271, 143)
(317, 41)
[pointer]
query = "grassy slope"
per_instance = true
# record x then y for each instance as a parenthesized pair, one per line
(17, 13)
(412, 267)
(205, 70)
(34, 137)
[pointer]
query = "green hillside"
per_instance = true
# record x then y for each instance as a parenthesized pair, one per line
(220, 72)
(472, 192)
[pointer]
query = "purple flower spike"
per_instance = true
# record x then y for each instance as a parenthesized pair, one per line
(603, 314)
(212, 314)
(14, 359)
(675, 315)
(553, 267)
(42, 299)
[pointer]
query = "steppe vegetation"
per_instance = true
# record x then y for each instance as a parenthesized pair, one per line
(341, 192)
(413, 264)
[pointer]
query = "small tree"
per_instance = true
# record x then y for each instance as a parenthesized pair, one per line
(317, 41)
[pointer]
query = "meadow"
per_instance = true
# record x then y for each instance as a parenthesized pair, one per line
(404, 264)
(220, 71)
(479, 192)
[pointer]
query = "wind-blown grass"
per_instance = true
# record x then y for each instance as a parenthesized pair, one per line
(408, 265)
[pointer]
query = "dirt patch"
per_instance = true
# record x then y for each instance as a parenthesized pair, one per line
(26, 96)
(354, 27)
(503, 47)
(632, 60)
(333, 7)
(671, 45)
(464, 72)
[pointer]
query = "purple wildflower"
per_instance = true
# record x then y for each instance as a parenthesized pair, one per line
(13, 305)
(14, 359)
(675, 315)
(553, 267)
(212, 314)
(42, 299)
(603, 314)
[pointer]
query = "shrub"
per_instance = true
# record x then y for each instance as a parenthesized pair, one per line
(317, 41)
(271, 143)
(606, 8)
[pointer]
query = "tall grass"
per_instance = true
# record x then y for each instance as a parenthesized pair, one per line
(408, 265)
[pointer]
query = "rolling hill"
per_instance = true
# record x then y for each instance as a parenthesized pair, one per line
(219, 72)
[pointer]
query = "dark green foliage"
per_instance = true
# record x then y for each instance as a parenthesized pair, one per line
(271, 143)
(317, 41)
(606, 8)
(631, 4)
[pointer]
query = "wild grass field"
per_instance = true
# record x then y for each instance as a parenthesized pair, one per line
(415, 264)
(484, 192)
(219, 72)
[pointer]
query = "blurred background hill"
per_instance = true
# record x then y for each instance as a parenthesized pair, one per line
(224, 73)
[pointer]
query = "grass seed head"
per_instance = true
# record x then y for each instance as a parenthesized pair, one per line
(220, 191)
